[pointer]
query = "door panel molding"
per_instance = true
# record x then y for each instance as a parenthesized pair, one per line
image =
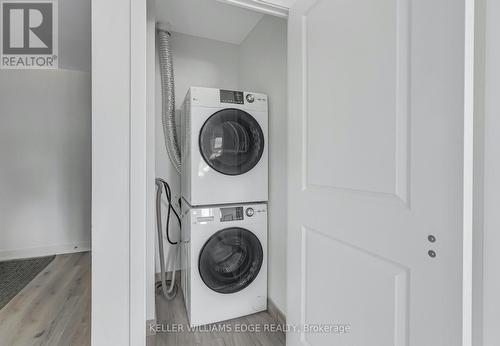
(398, 151)
(353, 269)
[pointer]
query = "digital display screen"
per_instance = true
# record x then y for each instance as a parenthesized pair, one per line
(231, 214)
(229, 96)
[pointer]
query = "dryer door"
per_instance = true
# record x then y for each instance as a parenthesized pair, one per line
(230, 260)
(231, 141)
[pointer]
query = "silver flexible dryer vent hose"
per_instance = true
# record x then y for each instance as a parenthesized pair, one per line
(172, 145)
(168, 98)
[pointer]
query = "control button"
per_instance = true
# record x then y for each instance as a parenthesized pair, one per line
(250, 98)
(249, 212)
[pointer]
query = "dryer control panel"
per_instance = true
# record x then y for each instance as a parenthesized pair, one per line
(222, 98)
(229, 96)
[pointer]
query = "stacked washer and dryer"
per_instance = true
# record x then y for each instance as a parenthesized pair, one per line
(224, 186)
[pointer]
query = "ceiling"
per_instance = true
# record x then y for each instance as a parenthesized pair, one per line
(207, 18)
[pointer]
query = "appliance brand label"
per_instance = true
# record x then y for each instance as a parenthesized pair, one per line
(29, 34)
(201, 219)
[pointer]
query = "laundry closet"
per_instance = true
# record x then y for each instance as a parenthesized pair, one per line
(217, 45)
(365, 143)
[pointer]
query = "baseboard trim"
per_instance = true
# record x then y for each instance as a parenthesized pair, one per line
(44, 251)
(275, 312)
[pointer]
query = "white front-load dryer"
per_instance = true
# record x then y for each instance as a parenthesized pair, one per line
(224, 262)
(224, 147)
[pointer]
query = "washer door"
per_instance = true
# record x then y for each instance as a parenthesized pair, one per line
(230, 260)
(231, 141)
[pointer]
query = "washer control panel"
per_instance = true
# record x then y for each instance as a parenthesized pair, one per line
(231, 214)
(239, 213)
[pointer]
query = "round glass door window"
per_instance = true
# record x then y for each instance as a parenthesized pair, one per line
(231, 141)
(230, 260)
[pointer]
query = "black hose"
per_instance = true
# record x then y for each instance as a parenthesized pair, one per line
(170, 292)
(170, 208)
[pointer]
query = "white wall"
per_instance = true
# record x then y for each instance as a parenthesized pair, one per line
(263, 69)
(203, 62)
(491, 302)
(45, 147)
(197, 62)
(74, 35)
(45, 143)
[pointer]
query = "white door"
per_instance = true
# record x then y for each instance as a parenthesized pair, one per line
(375, 186)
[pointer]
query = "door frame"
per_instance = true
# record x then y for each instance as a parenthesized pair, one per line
(473, 176)
(119, 182)
(468, 173)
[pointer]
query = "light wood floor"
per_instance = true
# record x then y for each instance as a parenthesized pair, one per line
(174, 312)
(54, 308)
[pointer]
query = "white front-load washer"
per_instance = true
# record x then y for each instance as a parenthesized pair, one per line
(224, 262)
(224, 147)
